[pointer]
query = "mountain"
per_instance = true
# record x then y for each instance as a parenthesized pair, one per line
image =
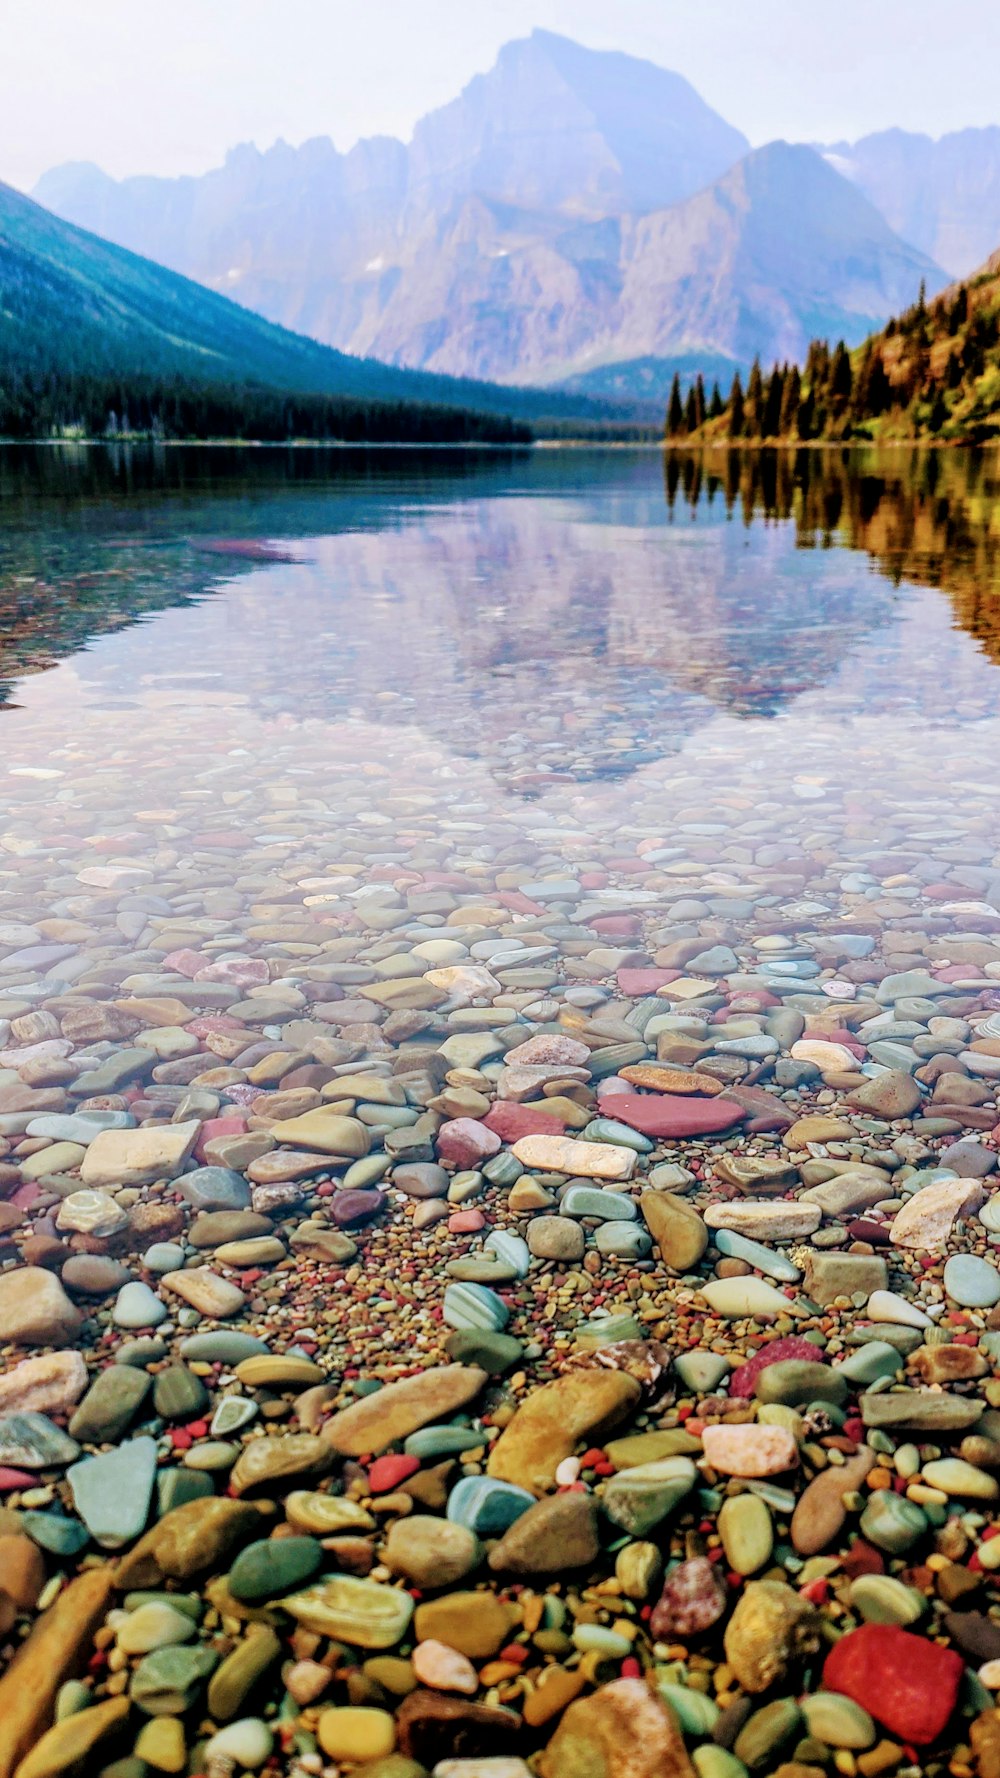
(931, 372)
(943, 196)
(75, 307)
(778, 250)
(575, 218)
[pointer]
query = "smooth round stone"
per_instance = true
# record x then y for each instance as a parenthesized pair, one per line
(233, 1412)
(273, 1566)
(485, 1506)
(513, 1250)
(556, 1238)
(165, 1682)
(222, 1347)
(55, 1532)
(441, 1441)
(246, 1744)
(589, 1200)
(94, 1274)
(794, 1382)
(138, 1306)
(623, 1240)
(178, 1394)
(607, 1330)
(211, 1455)
(163, 1256)
(880, 1599)
(139, 1353)
(640, 1498)
(701, 1372)
(891, 1522)
(972, 1282)
(838, 1721)
(492, 1352)
(607, 1129)
(214, 1188)
(763, 1259)
(154, 1625)
(473, 1305)
(989, 1215)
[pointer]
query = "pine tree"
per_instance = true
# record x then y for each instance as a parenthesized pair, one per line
(791, 396)
(753, 413)
(958, 314)
(699, 402)
(771, 415)
(675, 409)
(841, 379)
(715, 405)
(737, 408)
(691, 412)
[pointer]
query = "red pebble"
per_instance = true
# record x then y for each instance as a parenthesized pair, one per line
(744, 1377)
(511, 1121)
(515, 1653)
(387, 1473)
(646, 980)
(592, 1458)
(16, 1478)
(670, 1116)
(630, 1668)
(907, 1683)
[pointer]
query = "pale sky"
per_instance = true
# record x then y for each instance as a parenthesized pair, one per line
(166, 86)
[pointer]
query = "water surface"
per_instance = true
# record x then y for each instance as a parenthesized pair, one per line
(572, 648)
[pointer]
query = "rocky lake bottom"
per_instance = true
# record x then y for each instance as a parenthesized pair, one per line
(499, 1121)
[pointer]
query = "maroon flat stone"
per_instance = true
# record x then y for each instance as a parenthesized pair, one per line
(670, 1114)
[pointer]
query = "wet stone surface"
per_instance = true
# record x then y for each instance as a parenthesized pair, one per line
(498, 1256)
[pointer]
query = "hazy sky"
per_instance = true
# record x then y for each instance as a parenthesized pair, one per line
(166, 86)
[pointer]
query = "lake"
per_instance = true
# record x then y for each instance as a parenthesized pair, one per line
(404, 859)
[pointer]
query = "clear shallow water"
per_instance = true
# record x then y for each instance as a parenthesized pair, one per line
(564, 638)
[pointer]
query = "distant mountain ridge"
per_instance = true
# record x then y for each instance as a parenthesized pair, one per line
(943, 196)
(574, 217)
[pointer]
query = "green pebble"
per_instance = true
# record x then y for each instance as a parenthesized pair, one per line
(880, 1599)
(838, 1721)
(717, 1762)
(892, 1523)
(165, 1682)
(766, 1731)
(696, 1713)
(273, 1566)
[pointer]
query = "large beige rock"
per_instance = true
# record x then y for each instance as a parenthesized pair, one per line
(377, 1421)
(926, 1220)
(676, 1227)
(138, 1157)
(588, 1160)
(765, 1221)
(211, 1295)
(50, 1384)
(325, 1131)
(583, 1404)
(35, 1310)
(816, 1128)
(623, 1730)
(57, 1647)
(771, 1629)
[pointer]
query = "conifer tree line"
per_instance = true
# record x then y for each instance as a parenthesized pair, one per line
(48, 403)
(935, 368)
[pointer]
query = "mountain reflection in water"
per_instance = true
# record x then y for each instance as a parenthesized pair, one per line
(608, 606)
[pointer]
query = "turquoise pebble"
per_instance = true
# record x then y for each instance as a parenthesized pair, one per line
(473, 1305)
(487, 1507)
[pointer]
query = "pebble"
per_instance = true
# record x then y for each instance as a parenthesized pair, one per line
(658, 1097)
